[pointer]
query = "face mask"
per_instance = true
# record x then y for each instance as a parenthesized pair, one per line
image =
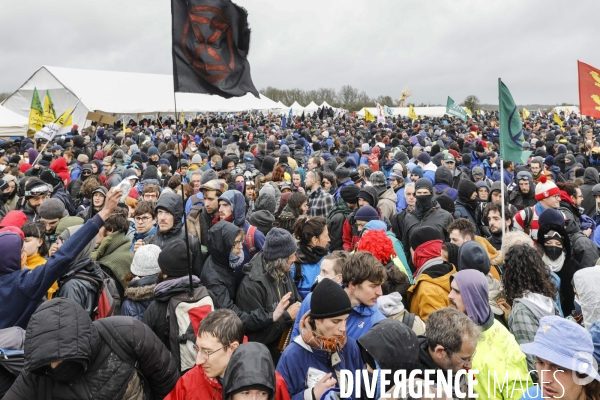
(424, 201)
(2, 167)
(553, 252)
(65, 372)
(236, 261)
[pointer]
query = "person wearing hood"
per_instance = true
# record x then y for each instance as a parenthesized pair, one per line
(140, 282)
(225, 249)
(590, 179)
(554, 170)
(342, 175)
(9, 192)
(390, 345)
(21, 290)
(477, 155)
(431, 286)
(113, 252)
(426, 212)
(524, 194)
(467, 204)
(98, 199)
(322, 345)
(338, 214)
(250, 373)
(366, 196)
(387, 196)
(68, 355)
(497, 351)
(232, 208)
(587, 299)
(373, 158)
(557, 250)
(150, 176)
(268, 291)
(74, 187)
(169, 214)
(528, 294)
(443, 183)
(570, 165)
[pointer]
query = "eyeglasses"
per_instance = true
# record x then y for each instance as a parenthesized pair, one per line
(205, 354)
(142, 219)
(466, 362)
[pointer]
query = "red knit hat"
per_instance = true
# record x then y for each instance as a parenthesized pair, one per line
(24, 167)
(14, 218)
(545, 189)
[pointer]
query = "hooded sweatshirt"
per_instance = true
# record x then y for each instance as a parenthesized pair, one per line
(443, 183)
(590, 179)
(587, 282)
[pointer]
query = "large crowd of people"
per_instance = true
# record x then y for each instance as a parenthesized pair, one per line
(235, 258)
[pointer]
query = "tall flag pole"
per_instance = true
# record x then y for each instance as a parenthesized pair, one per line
(511, 136)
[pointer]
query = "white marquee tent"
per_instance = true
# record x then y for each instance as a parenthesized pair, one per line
(326, 104)
(12, 124)
(403, 111)
(119, 93)
(297, 109)
(311, 107)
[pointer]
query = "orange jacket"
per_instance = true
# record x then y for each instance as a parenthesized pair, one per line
(428, 294)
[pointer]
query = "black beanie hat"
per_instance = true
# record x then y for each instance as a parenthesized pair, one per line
(424, 183)
(466, 188)
(329, 300)
(446, 203)
(422, 235)
(349, 193)
(479, 148)
(452, 253)
(172, 260)
(316, 146)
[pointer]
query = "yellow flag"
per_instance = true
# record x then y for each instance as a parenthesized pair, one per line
(36, 113)
(181, 117)
(65, 119)
(468, 111)
(567, 112)
(558, 120)
(411, 113)
(369, 116)
(49, 114)
(526, 113)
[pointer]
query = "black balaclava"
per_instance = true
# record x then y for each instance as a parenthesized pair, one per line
(424, 201)
(465, 191)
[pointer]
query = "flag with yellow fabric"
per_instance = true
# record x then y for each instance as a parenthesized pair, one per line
(49, 114)
(181, 117)
(411, 113)
(526, 113)
(558, 120)
(468, 111)
(36, 113)
(369, 116)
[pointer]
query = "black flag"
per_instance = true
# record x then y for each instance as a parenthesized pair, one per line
(211, 39)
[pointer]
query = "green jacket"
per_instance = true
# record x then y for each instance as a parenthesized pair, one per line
(114, 253)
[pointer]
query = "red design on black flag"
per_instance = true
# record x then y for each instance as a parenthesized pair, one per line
(211, 39)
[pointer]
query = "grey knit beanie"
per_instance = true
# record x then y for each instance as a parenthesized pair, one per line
(263, 220)
(377, 179)
(207, 176)
(279, 243)
(145, 260)
(52, 209)
(265, 201)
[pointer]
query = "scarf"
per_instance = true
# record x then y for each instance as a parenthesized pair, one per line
(328, 344)
(556, 265)
(217, 218)
(426, 252)
(423, 205)
(311, 255)
(236, 261)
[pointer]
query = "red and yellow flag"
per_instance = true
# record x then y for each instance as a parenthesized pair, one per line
(589, 90)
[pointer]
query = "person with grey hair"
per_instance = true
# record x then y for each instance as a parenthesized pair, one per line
(451, 341)
(268, 285)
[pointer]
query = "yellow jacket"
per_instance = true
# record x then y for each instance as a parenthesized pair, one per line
(498, 352)
(428, 294)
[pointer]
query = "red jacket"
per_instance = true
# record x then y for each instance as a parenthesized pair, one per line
(195, 385)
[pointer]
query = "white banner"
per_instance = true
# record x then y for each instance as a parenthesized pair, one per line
(48, 132)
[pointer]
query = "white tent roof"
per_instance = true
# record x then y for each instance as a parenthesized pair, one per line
(120, 93)
(281, 105)
(311, 107)
(297, 108)
(403, 111)
(574, 109)
(325, 104)
(12, 124)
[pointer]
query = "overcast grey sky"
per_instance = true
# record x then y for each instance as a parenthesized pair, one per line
(437, 48)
